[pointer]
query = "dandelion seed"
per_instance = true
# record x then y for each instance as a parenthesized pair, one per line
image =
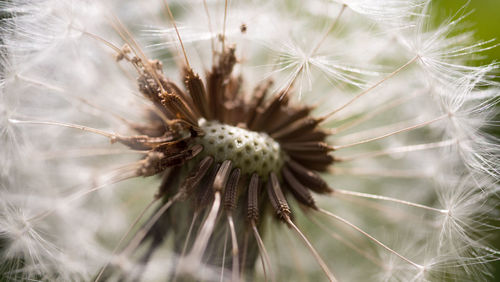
(259, 118)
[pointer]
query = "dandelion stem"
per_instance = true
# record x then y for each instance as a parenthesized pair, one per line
(311, 248)
(224, 26)
(382, 173)
(402, 149)
(80, 99)
(329, 115)
(201, 241)
(235, 251)
(184, 247)
(330, 28)
(371, 114)
(69, 125)
(87, 152)
(141, 234)
(40, 83)
(98, 38)
(112, 136)
(384, 198)
(244, 256)
(221, 279)
(391, 133)
(351, 245)
(418, 266)
(134, 223)
(263, 252)
(122, 175)
(128, 38)
(297, 257)
(212, 44)
(172, 19)
(375, 131)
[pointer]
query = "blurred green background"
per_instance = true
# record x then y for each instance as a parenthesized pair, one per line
(485, 20)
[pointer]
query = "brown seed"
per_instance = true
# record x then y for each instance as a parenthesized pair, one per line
(169, 178)
(194, 151)
(308, 178)
(196, 175)
(301, 193)
(149, 88)
(297, 128)
(318, 157)
(253, 201)
(243, 28)
(176, 105)
(277, 198)
(216, 92)
(227, 61)
(178, 159)
(206, 192)
(291, 114)
(151, 164)
(309, 147)
(259, 94)
(171, 87)
(268, 113)
(142, 142)
(233, 88)
(317, 135)
(319, 162)
(231, 192)
(197, 91)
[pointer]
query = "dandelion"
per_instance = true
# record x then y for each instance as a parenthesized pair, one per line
(243, 140)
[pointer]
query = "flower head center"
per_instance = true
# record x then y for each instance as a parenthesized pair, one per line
(252, 152)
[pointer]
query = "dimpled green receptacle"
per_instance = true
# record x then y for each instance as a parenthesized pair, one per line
(252, 152)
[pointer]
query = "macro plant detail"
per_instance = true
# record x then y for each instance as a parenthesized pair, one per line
(321, 133)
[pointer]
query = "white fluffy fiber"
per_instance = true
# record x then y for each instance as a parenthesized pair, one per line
(54, 69)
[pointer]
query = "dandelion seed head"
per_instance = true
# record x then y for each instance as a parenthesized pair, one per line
(282, 141)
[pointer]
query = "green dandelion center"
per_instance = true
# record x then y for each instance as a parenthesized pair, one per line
(252, 152)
